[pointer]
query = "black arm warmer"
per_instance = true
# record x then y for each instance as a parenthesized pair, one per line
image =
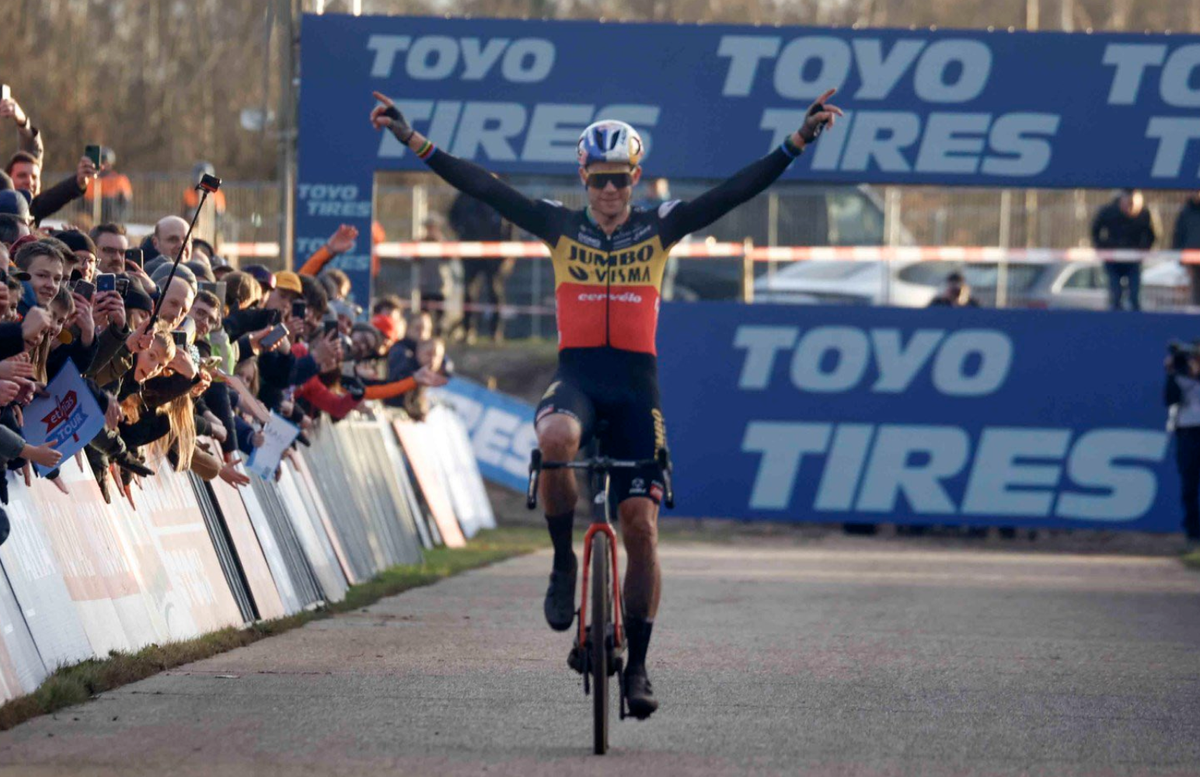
(687, 217)
(531, 216)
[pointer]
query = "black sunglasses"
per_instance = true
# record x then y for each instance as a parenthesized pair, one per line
(600, 180)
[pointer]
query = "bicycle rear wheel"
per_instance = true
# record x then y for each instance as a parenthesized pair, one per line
(601, 594)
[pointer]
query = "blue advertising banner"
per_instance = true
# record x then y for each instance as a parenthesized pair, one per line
(985, 417)
(67, 416)
(964, 107)
(501, 430)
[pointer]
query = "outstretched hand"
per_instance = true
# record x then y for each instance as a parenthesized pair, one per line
(388, 116)
(820, 117)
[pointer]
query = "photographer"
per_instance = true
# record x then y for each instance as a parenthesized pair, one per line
(1182, 391)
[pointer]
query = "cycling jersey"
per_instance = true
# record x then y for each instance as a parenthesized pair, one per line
(607, 286)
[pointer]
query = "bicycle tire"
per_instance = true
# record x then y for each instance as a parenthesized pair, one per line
(601, 594)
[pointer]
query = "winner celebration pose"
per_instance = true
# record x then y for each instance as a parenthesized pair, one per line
(608, 267)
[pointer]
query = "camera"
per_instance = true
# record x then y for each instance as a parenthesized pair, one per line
(209, 183)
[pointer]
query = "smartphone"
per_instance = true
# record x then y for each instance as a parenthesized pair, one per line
(93, 153)
(84, 289)
(5, 92)
(331, 327)
(180, 337)
(122, 285)
(299, 309)
(106, 281)
(275, 335)
(134, 255)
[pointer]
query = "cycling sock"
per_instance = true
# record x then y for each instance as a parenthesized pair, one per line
(561, 527)
(638, 632)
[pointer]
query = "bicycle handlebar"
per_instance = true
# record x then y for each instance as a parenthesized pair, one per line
(598, 464)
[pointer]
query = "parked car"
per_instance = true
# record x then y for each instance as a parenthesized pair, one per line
(1068, 285)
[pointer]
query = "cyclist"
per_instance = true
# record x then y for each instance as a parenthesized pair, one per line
(608, 265)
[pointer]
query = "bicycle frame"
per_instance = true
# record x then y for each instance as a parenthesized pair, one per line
(602, 521)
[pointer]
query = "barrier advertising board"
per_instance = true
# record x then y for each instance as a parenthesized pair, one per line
(959, 107)
(986, 417)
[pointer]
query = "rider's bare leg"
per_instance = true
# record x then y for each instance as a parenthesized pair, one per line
(643, 576)
(558, 439)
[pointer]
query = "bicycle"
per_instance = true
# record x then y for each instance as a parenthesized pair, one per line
(600, 557)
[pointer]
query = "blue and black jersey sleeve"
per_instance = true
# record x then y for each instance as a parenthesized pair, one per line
(686, 217)
(536, 217)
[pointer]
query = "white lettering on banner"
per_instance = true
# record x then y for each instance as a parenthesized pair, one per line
(351, 262)
(999, 485)
(1132, 62)
(333, 200)
(881, 73)
(499, 438)
(491, 131)
(972, 60)
(782, 446)
(488, 127)
(970, 362)
(839, 481)
(850, 354)
(437, 57)
(494, 436)
(554, 130)
(892, 470)
(1012, 144)
(954, 70)
(1012, 472)
(1174, 135)
(1178, 74)
(1092, 464)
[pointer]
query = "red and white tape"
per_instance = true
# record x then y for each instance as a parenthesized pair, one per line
(701, 249)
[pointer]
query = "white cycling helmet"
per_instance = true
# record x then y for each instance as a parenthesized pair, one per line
(610, 141)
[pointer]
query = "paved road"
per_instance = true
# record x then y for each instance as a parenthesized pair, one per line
(844, 658)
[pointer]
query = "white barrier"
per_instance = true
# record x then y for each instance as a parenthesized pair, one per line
(79, 578)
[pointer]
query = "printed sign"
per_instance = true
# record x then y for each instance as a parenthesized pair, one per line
(845, 414)
(68, 416)
(958, 107)
(278, 434)
(500, 427)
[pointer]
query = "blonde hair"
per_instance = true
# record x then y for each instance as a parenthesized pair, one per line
(180, 412)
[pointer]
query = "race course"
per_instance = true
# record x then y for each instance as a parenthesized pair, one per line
(844, 657)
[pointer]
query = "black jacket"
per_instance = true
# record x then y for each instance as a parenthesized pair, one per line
(1113, 229)
(54, 199)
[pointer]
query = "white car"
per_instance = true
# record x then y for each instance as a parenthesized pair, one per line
(1071, 285)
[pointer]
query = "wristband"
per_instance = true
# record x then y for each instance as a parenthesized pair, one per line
(787, 148)
(426, 150)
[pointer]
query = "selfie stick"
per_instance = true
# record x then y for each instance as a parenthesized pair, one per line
(208, 183)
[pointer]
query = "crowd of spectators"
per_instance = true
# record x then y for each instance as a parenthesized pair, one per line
(186, 355)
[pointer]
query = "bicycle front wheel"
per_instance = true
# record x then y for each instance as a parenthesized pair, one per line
(600, 626)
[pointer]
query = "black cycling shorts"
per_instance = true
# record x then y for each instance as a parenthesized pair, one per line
(620, 388)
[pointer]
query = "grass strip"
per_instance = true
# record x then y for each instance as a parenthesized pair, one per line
(1192, 559)
(77, 683)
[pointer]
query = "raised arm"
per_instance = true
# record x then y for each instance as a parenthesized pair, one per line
(687, 217)
(532, 216)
